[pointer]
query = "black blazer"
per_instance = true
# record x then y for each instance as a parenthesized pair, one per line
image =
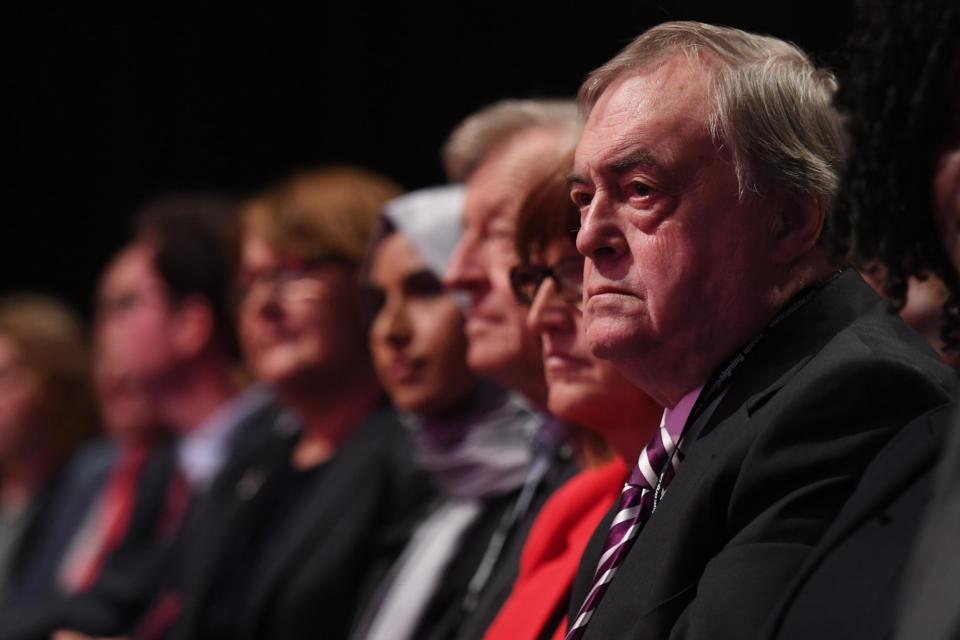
(132, 575)
(850, 586)
(127, 577)
(768, 465)
(312, 565)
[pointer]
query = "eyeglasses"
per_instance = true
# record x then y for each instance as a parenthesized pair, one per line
(525, 280)
(291, 280)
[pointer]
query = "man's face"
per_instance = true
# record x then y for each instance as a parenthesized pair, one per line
(677, 264)
(135, 321)
(500, 347)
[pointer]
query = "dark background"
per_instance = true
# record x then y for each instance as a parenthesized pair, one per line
(113, 106)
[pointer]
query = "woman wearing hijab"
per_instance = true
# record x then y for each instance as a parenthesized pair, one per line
(471, 437)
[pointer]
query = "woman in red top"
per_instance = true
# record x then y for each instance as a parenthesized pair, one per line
(583, 390)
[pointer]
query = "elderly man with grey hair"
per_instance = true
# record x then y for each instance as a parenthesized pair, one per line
(501, 153)
(704, 178)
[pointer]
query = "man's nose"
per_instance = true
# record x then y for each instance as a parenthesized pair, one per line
(463, 268)
(600, 238)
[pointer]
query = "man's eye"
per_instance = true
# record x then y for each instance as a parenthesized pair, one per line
(640, 189)
(581, 198)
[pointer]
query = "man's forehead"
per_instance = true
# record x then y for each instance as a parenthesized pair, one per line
(132, 267)
(638, 119)
(496, 189)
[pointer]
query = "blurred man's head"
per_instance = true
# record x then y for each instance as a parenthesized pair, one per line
(703, 177)
(500, 153)
(163, 302)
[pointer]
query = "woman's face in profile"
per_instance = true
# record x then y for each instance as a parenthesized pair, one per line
(582, 388)
(416, 335)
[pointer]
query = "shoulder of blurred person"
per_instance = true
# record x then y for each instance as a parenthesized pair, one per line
(81, 482)
(128, 576)
(358, 503)
(797, 373)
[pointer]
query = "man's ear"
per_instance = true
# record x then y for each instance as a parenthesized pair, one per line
(798, 227)
(193, 327)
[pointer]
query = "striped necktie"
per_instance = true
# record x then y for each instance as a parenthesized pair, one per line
(657, 464)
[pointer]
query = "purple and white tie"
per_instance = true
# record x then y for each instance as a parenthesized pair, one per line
(657, 463)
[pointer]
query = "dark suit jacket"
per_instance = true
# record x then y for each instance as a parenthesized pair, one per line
(311, 567)
(930, 606)
(850, 586)
(768, 465)
(446, 618)
(66, 502)
(133, 573)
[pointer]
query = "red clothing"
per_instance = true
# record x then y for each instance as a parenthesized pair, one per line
(553, 550)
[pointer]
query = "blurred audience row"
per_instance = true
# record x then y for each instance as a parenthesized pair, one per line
(335, 410)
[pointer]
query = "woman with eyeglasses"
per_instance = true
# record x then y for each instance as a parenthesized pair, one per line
(583, 390)
(294, 528)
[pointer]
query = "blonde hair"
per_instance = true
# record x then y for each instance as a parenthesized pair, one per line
(328, 211)
(486, 129)
(772, 107)
(51, 342)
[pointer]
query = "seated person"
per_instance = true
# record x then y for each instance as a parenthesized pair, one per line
(582, 389)
(472, 437)
(287, 535)
(46, 412)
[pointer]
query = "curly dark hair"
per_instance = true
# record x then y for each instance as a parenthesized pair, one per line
(899, 91)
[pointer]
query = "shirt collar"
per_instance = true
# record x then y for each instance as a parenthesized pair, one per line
(202, 452)
(675, 419)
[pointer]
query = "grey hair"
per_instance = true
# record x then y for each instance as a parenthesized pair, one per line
(772, 107)
(486, 129)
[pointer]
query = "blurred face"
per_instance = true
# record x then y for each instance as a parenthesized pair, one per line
(134, 319)
(678, 267)
(946, 199)
(416, 337)
(499, 345)
(20, 395)
(297, 322)
(582, 388)
(127, 410)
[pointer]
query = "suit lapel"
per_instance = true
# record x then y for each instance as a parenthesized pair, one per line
(787, 348)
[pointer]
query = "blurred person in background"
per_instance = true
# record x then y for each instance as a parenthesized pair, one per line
(471, 436)
(92, 512)
(46, 412)
(889, 565)
(582, 389)
(163, 318)
(291, 531)
(499, 153)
